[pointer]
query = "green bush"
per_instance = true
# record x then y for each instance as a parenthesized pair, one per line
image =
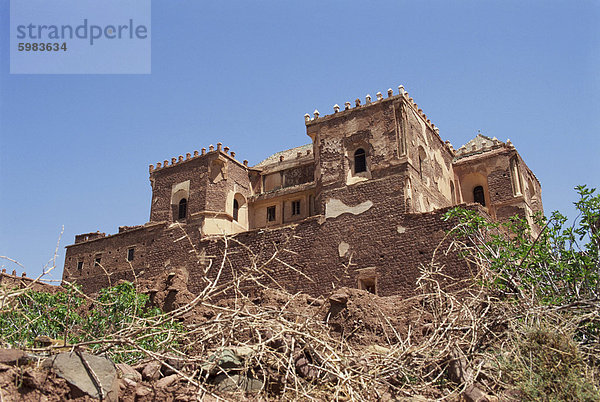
(553, 274)
(560, 265)
(118, 317)
(32, 314)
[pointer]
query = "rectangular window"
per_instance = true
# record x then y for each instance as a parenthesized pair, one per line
(97, 261)
(516, 177)
(296, 207)
(130, 253)
(271, 214)
(368, 284)
(80, 265)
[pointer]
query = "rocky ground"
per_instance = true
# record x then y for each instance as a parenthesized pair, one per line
(247, 369)
(349, 345)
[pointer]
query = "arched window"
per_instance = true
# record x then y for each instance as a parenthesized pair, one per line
(422, 158)
(236, 210)
(360, 161)
(478, 195)
(182, 209)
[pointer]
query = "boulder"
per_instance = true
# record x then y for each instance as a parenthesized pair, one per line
(166, 381)
(12, 357)
(236, 383)
(72, 368)
(225, 359)
(151, 371)
(339, 298)
(128, 372)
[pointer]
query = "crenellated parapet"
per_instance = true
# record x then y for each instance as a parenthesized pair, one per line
(369, 102)
(22, 281)
(480, 144)
(176, 161)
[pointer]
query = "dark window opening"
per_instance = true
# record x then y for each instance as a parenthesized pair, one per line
(360, 161)
(271, 214)
(97, 261)
(130, 254)
(236, 210)
(478, 195)
(182, 209)
(296, 207)
(420, 167)
(80, 265)
(368, 284)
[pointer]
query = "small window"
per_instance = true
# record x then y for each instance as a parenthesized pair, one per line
(360, 161)
(97, 261)
(236, 210)
(296, 207)
(80, 265)
(478, 195)
(130, 254)
(271, 214)
(182, 209)
(422, 158)
(368, 284)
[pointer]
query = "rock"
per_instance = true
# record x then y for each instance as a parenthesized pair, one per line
(166, 381)
(339, 298)
(225, 360)
(305, 369)
(71, 367)
(379, 350)
(142, 391)
(243, 351)
(12, 357)
(151, 371)
(129, 383)
(174, 362)
(128, 372)
(34, 378)
(474, 394)
(236, 382)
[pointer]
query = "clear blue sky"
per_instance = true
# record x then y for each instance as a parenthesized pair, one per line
(75, 149)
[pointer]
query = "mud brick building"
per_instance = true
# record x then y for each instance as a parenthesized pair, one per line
(359, 206)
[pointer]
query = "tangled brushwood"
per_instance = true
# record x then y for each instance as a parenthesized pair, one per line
(526, 327)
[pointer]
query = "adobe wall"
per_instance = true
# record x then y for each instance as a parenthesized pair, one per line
(397, 138)
(209, 181)
(429, 159)
(112, 251)
(508, 192)
(162, 180)
(336, 137)
(364, 229)
(14, 281)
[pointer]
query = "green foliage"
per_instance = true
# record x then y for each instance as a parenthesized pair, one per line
(119, 315)
(123, 313)
(557, 266)
(557, 262)
(33, 314)
(116, 308)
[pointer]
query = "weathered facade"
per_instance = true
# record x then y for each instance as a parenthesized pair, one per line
(360, 206)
